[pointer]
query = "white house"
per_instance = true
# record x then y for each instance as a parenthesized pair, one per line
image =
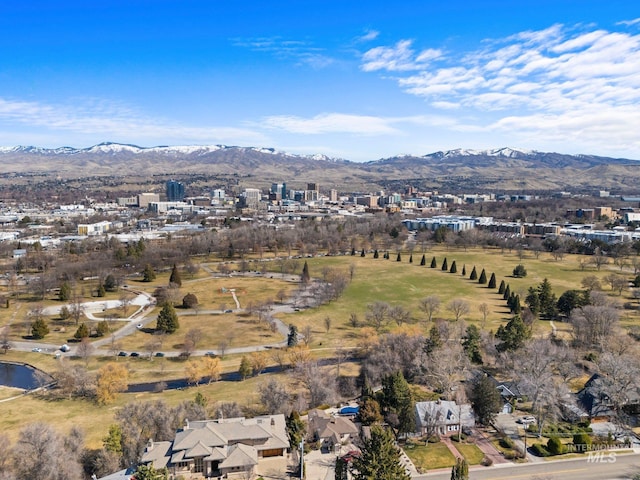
(443, 417)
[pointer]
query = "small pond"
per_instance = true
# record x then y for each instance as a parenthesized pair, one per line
(23, 376)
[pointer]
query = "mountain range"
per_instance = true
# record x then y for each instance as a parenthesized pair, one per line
(504, 168)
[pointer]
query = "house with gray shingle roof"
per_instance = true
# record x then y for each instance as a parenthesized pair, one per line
(228, 448)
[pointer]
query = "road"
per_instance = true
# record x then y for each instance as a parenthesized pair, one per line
(618, 467)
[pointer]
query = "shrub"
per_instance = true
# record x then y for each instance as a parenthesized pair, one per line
(506, 442)
(520, 271)
(555, 446)
(189, 301)
(539, 450)
(486, 462)
(510, 454)
(582, 439)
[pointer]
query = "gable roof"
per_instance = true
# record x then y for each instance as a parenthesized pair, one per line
(447, 412)
(234, 441)
(326, 427)
(240, 455)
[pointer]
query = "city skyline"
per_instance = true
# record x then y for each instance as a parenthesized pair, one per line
(343, 79)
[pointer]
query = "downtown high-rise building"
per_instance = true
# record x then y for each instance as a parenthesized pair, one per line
(175, 191)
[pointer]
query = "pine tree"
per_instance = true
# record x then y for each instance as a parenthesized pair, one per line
(39, 329)
(305, 278)
(513, 335)
(445, 265)
(353, 251)
(362, 254)
(502, 287)
(434, 264)
(398, 258)
(423, 262)
(175, 276)
(292, 336)
(548, 300)
(397, 399)
(474, 274)
(464, 270)
(379, 458)
(454, 268)
(492, 281)
(65, 292)
(81, 332)
(110, 283)
(149, 275)
(483, 277)
(485, 400)
(411, 258)
(460, 471)
(375, 253)
(471, 344)
(167, 319)
(507, 292)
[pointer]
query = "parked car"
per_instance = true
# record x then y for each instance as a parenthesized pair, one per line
(134, 354)
(65, 348)
(36, 349)
(210, 354)
(228, 311)
(527, 419)
(159, 354)
(122, 354)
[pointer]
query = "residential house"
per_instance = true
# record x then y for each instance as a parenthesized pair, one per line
(509, 394)
(595, 400)
(229, 448)
(441, 417)
(331, 430)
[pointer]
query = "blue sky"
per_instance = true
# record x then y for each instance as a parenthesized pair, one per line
(359, 80)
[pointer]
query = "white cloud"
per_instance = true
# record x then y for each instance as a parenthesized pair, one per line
(578, 83)
(352, 124)
(100, 119)
(400, 57)
(635, 21)
(331, 123)
(302, 51)
(368, 36)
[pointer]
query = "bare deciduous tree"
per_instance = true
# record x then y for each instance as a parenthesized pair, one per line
(458, 307)
(274, 397)
(593, 325)
(430, 306)
(42, 453)
(377, 314)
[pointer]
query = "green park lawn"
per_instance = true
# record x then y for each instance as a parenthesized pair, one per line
(398, 283)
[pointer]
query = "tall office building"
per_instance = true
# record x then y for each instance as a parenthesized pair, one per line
(279, 189)
(175, 191)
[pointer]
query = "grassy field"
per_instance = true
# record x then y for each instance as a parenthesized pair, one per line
(404, 283)
(472, 454)
(398, 283)
(430, 457)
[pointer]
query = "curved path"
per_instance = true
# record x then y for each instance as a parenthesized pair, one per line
(141, 318)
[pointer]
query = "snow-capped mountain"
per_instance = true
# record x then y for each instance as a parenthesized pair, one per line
(494, 168)
(110, 148)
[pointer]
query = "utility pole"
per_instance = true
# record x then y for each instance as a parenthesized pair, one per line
(302, 459)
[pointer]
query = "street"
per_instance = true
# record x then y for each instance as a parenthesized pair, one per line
(618, 467)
